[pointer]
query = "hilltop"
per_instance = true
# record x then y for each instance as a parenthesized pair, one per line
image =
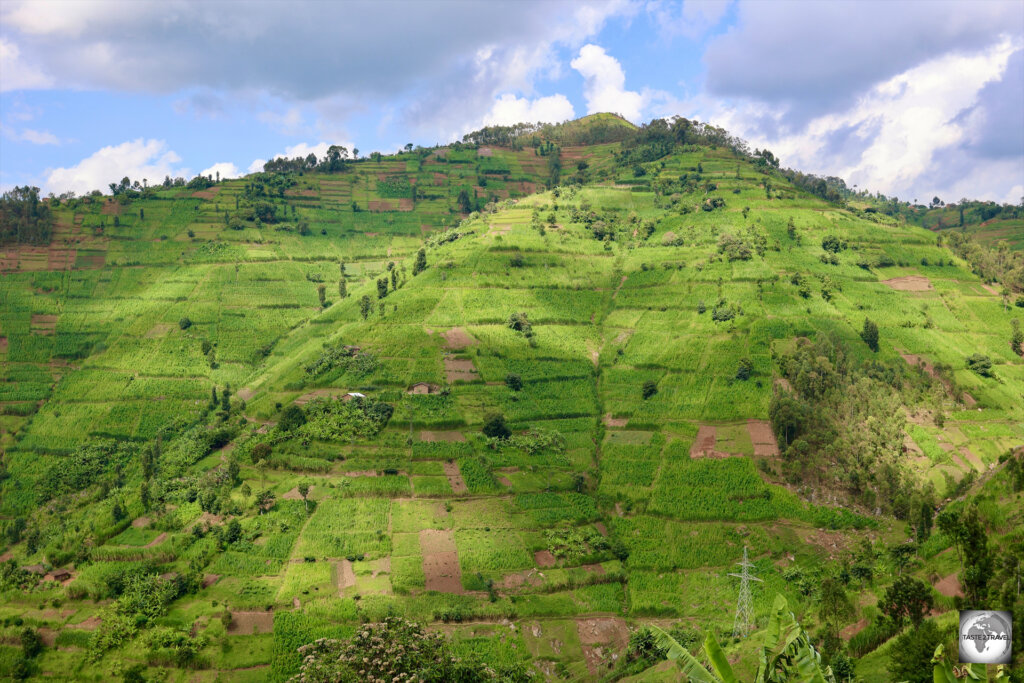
(537, 389)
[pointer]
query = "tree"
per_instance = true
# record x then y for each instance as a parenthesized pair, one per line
(31, 642)
(869, 333)
(399, 650)
(342, 289)
(292, 417)
(911, 655)
(185, 323)
(834, 606)
(907, 599)
(901, 554)
(420, 264)
(365, 306)
(514, 382)
(265, 500)
(745, 369)
(1016, 338)
(304, 491)
(978, 560)
(232, 532)
(321, 292)
(464, 202)
(144, 494)
(382, 287)
(495, 427)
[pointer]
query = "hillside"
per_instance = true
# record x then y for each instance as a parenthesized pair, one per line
(588, 377)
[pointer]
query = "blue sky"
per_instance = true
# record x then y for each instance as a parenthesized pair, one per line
(908, 98)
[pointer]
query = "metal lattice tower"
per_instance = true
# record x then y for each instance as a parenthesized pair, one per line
(744, 621)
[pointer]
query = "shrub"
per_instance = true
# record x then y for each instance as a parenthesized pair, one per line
(185, 323)
(514, 382)
(980, 364)
(495, 427)
(650, 389)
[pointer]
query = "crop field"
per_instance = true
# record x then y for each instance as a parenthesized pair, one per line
(559, 418)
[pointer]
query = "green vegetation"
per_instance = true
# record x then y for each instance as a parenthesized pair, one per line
(572, 371)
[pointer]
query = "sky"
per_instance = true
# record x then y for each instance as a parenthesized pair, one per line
(913, 99)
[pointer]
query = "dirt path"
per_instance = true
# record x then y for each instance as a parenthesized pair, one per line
(157, 541)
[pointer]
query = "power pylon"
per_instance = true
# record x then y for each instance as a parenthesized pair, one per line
(744, 621)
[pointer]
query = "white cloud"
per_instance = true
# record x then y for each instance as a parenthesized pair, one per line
(225, 168)
(903, 137)
(256, 166)
(15, 73)
(693, 19)
(509, 109)
(291, 122)
(36, 137)
(136, 159)
(304, 149)
(604, 84)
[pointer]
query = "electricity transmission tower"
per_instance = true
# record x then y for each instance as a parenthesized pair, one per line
(744, 621)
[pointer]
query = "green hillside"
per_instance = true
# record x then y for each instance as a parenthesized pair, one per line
(541, 395)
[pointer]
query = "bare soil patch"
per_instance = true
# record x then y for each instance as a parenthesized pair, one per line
(210, 579)
(949, 586)
(485, 152)
(910, 283)
(208, 193)
(853, 629)
(344, 576)
(460, 370)
(763, 438)
(972, 458)
(457, 339)
(610, 421)
(90, 624)
(3, 344)
(441, 436)
(141, 522)
(704, 445)
(318, 393)
(455, 480)
(111, 209)
(245, 394)
(601, 639)
(601, 528)
(991, 289)
(440, 561)
(405, 204)
(61, 259)
(294, 192)
(295, 495)
(251, 622)
(504, 481)
(157, 541)
(44, 324)
(360, 473)
(544, 558)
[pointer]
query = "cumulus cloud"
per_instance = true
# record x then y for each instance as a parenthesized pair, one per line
(912, 135)
(226, 169)
(822, 55)
(690, 19)
(604, 85)
(18, 74)
(136, 159)
(509, 109)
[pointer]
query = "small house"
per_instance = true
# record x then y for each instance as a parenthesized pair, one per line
(59, 575)
(351, 395)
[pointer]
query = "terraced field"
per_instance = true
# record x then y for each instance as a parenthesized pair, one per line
(313, 462)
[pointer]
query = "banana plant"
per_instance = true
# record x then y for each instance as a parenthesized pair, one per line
(945, 672)
(786, 655)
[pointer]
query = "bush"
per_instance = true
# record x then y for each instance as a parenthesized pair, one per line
(650, 389)
(514, 382)
(495, 427)
(980, 364)
(185, 323)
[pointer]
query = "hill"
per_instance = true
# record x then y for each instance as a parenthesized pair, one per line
(537, 396)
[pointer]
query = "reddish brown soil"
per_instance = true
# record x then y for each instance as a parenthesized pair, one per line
(910, 283)
(3, 344)
(405, 204)
(247, 623)
(704, 445)
(615, 421)
(485, 152)
(455, 480)
(544, 558)
(441, 436)
(460, 370)
(210, 579)
(44, 324)
(157, 541)
(360, 473)
(318, 393)
(504, 481)
(457, 339)
(949, 586)
(344, 577)
(141, 522)
(762, 437)
(295, 495)
(441, 561)
(601, 528)
(600, 638)
(853, 629)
